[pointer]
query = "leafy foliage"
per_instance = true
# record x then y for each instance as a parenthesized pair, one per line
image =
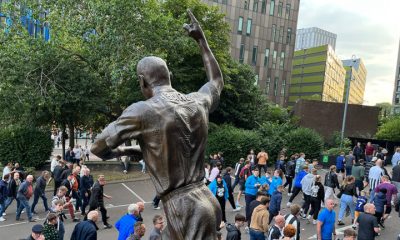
(305, 140)
(29, 146)
(390, 130)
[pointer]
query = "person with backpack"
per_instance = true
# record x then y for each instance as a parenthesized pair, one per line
(317, 197)
(289, 174)
(243, 175)
(331, 182)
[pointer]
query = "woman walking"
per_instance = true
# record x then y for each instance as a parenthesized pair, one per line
(347, 192)
(220, 190)
(317, 197)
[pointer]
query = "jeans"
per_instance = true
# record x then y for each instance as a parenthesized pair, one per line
(256, 235)
(61, 230)
(9, 201)
(330, 194)
(346, 201)
(36, 200)
(371, 195)
(24, 203)
(348, 171)
(3, 207)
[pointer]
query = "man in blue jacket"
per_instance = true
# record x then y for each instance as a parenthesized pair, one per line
(297, 184)
(251, 187)
(275, 203)
(86, 229)
(125, 224)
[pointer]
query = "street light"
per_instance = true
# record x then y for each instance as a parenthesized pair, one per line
(346, 103)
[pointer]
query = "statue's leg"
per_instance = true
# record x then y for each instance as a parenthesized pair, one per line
(193, 214)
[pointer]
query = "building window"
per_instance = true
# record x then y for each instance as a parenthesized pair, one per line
(283, 88)
(263, 6)
(282, 62)
(254, 57)
(248, 29)
(281, 30)
(267, 83)
(240, 25)
(241, 54)
(273, 32)
(274, 59)
(271, 7)
(287, 16)
(246, 4)
(255, 5)
(280, 6)
(276, 86)
(266, 58)
(289, 36)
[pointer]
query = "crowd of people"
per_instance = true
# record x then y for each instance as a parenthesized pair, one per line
(362, 189)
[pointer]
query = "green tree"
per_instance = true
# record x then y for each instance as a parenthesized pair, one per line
(304, 140)
(390, 130)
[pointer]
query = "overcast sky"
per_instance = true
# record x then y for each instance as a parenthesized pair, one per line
(369, 29)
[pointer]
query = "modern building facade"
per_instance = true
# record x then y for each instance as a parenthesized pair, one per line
(396, 92)
(314, 37)
(263, 36)
(356, 71)
(318, 74)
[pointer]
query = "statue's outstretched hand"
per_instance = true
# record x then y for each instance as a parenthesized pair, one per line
(194, 30)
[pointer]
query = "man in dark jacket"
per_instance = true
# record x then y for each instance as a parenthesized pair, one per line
(85, 189)
(234, 229)
(228, 181)
(58, 170)
(39, 191)
(24, 193)
(86, 230)
(97, 199)
(3, 195)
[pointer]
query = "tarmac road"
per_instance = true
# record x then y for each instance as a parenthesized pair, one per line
(129, 192)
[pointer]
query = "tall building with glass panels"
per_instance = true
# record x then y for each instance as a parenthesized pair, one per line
(396, 92)
(314, 37)
(263, 36)
(318, 74)
(356, 71)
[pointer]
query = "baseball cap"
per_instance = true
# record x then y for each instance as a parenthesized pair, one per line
(38, 228)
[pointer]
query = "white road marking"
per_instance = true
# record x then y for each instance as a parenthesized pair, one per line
(135, 194)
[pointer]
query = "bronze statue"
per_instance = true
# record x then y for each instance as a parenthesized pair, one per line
(171, 129)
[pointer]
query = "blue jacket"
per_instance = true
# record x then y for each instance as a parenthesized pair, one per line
(125, 226)
(339, 162)
(276, 181)
(380, 202)
(3, 191)
(213, 188)
(299, 177)
(275, 204)
(249, 185)
(23, 189)
(85, 230)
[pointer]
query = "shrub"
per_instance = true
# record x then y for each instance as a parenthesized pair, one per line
(390, 130)
(304, 140)
(29, 146)
(235, 143)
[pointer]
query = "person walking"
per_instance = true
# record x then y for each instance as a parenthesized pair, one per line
(220, 190)
(331, 182)
(306, 186)
(86, 230)
(347, 192)
(40, 191)
(259, 220)
(360, 203)
(369, 151)
(391, 196)
(228, 180)
(349, 162)
(243, 175)
(238, 167)
(358, 151)
(25, 192)
(85, 187)
(158, 222)
(368, 226)
(57, 172)
(340, 163)
(396, 157)
(297, 184)
(326, 222)
(13, 185)
(374, 177)
(290, 174)
(358, 172)
(96, 200)
(275, 203)
(125, 223)
(317, 198)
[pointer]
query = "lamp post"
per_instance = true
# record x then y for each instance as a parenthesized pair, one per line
(346, 101)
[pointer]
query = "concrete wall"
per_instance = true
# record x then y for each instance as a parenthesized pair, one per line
(326, 118)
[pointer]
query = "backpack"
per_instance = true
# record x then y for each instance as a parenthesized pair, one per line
(243, 172)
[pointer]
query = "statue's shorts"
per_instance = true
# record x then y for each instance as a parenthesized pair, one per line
(192, 212)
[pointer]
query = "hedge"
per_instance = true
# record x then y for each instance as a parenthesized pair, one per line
(304, 140)
(29, 146)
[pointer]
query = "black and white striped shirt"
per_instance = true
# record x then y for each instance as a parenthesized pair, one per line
(374, 176)
(291, 219)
